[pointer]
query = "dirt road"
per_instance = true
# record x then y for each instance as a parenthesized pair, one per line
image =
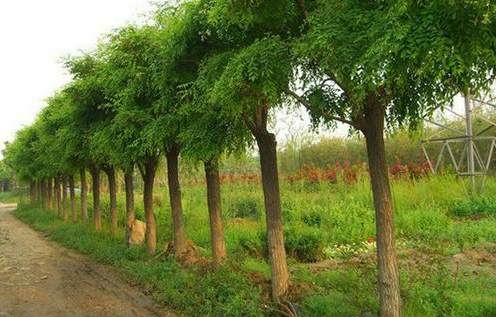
(41, 279)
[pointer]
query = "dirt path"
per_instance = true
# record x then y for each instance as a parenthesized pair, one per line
(40, 278)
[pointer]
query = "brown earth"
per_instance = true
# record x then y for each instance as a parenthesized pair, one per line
(39, 278)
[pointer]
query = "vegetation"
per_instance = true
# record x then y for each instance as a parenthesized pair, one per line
(330, 245)
(202, 80)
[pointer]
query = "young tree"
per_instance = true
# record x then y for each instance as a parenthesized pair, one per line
(128, 57)
(87, 100)
(250, 86)
(205, 138)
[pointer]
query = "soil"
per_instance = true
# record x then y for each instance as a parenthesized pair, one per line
(40, 278)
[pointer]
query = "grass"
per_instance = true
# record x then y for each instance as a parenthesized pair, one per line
(10, 197)
(329, 238)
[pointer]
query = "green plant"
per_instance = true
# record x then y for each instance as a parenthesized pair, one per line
(304, 243)
(245, 207)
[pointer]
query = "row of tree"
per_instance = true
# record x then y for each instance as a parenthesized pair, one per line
(202, 78)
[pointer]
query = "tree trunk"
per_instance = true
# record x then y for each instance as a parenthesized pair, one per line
(73, 198)
(389, 284)
(49, 193)
(58, 192)
(130, 211)
(97, 213)
(84, 195)
(44, 194)
(44, 190)
(110, 171)
(151, 227)
(175, 199)
(32, 192)
(65, 212)
(275, 235)
(215, 211)
(38, 193)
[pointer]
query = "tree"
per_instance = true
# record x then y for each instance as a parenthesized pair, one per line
(20, 157)
(206, 137)
(6, 176)
(372, 63)
(133, 97)
(252, 83)
(87, 100)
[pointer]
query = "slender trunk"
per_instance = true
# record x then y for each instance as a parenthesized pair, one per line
(275, 235)
(65, 212)
(151, 228)
(175, 199)
(32, 192)
(130, 211)
(110, 171)
(58, 196)
(97, 213)
(215, 211)
(38, 193)
(44, 194)
(389, 285)
(84, 195)
(49, 193)
(73, 198)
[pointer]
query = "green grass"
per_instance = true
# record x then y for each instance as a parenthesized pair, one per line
(10, 197)
(329, 238)
(195, 291)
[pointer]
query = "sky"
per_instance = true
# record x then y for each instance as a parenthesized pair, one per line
(35, 35)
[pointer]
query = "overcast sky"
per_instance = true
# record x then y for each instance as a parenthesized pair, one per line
(34, 35)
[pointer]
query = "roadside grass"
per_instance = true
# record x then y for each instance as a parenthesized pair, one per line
(10, 197)
(194, 291)
(330, 242)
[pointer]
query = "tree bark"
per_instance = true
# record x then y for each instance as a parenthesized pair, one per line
(151, 227)
(172, 156)
(84, 195)
(44, 194)
(130, 210)
(38, 193)
(110, 171)
(73, 198)
(389, 284)
(215, 211)
(65, 212)
(49, 193)
(97, 213)
(58, 193)
(275, 235)
(32, 192)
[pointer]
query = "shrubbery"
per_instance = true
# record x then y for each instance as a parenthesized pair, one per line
(482, 206)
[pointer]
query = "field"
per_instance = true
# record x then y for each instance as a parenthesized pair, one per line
(446, 246)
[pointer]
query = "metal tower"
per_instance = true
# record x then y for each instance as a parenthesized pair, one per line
(469, 162)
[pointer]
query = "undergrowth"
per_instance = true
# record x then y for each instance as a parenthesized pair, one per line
(329, 237)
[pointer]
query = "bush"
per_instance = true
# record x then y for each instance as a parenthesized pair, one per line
(312, 219)
(246, 207)
(304, 243)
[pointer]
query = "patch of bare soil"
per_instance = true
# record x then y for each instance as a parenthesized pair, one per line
(40, 278)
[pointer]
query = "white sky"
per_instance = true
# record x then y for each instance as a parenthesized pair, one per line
(34, 35)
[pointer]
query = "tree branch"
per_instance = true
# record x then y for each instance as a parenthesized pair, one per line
(310, 107)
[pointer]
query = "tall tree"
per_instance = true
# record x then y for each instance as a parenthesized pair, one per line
(375, 65)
